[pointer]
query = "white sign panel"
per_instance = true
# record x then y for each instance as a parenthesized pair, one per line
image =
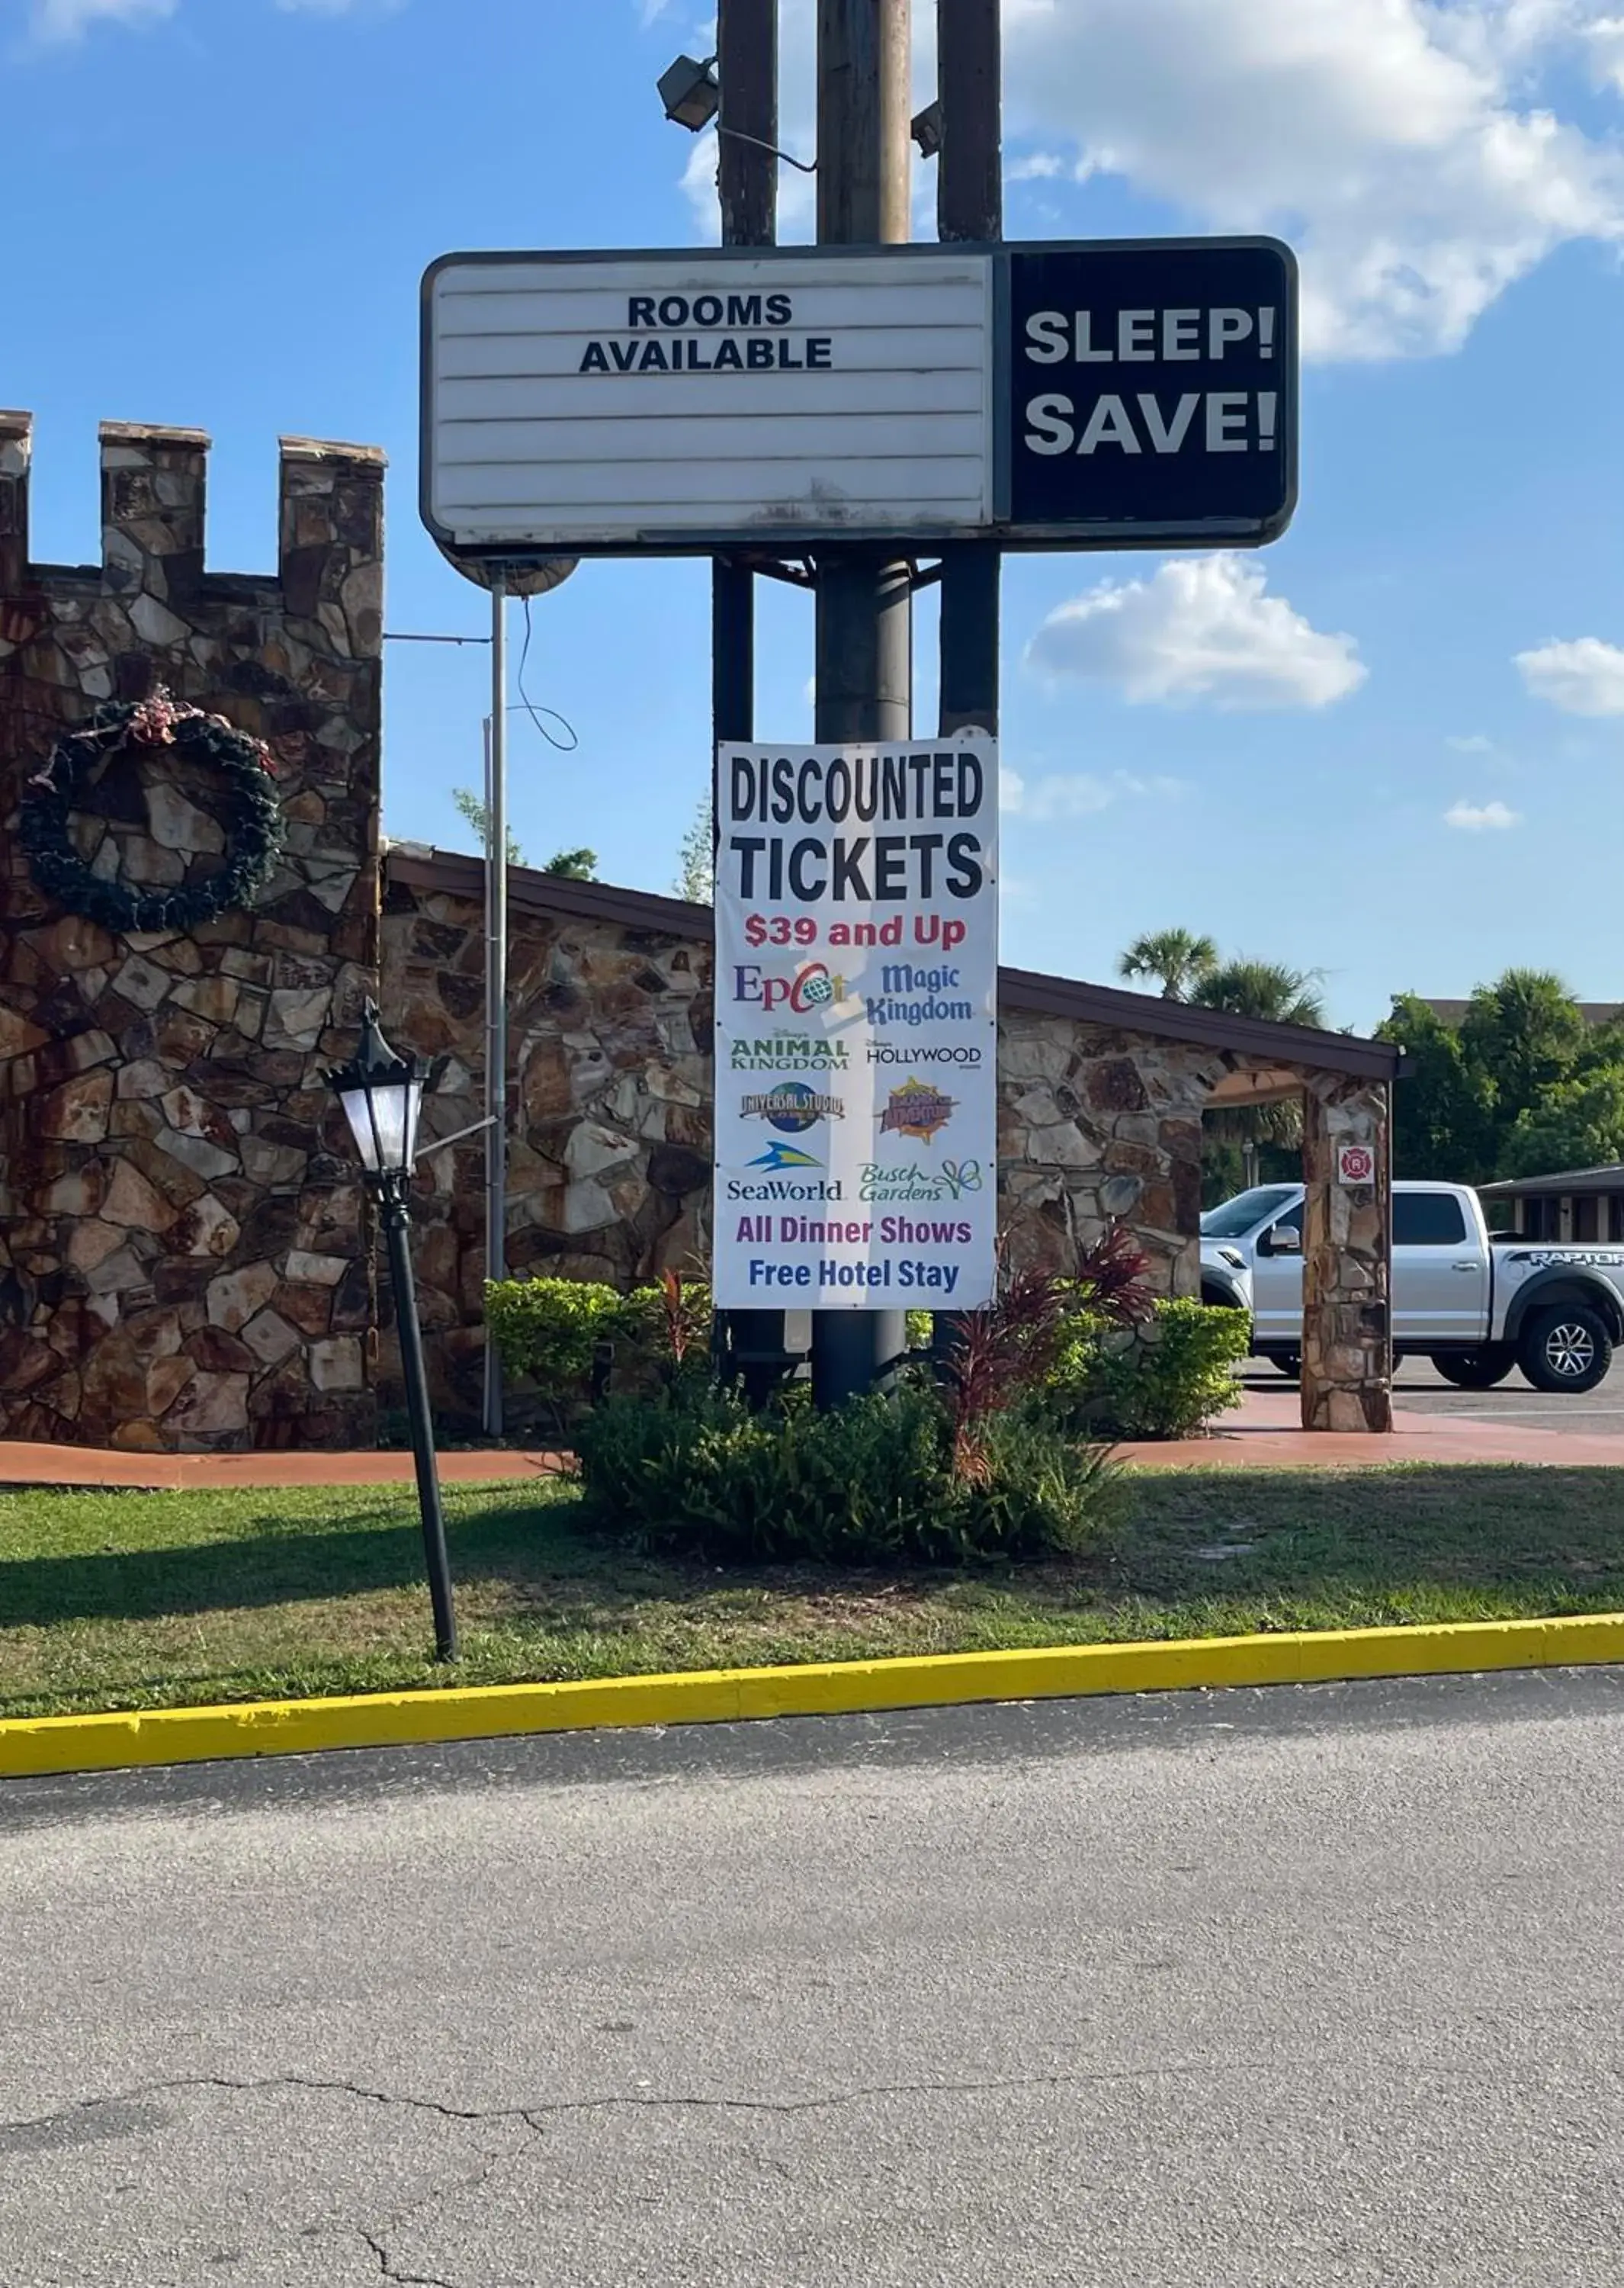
(669, 401)
(856, 1026)
(1355, 1164)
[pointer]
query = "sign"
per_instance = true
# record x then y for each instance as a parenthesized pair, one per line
(856, 1026)
(1066, 395)
(1152, 392)
(1356, 1164)
(672, 402)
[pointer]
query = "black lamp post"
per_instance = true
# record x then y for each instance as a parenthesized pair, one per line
(381, 1095)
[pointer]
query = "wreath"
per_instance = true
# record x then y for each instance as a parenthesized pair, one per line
(251, 816)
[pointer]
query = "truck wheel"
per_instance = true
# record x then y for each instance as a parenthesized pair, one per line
(1476, 1370)
(1567, 1347)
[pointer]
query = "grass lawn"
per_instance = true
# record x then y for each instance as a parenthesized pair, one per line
(158, 1600)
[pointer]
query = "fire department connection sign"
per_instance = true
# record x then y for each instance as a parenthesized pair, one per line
(856, 1026)
(1119, 393)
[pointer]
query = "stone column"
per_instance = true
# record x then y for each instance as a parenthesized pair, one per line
(16, 445)
(1347, 1256)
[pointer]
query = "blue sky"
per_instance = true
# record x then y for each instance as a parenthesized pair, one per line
(1389, 749)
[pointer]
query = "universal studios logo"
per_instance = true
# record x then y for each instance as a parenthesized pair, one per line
(793, 1106)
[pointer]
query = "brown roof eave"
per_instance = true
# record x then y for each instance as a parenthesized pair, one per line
(453, 874)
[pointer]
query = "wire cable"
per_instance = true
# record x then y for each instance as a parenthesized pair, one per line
(565, 746)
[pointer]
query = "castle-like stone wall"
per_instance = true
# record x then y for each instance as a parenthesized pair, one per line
(183, 1261)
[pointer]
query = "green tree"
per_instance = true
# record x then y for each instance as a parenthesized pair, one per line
(1471, 1088)
(573, 865)
(696, 859)
(478, 815)
(1280, 996)
(1176, 959)
(1262, 988)
(1578, 1124)
(1444, 1120)
(1525, 1033)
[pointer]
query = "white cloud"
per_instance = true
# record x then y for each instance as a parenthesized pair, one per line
(1604, 43)
(1400, 144)
(1481, 818)
(1585, 677)
(1198, 628)
(1474, 744)
(57, 21)
(1075, 794)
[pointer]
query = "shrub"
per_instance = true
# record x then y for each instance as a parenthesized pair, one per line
(549, 1329)
(1165, 1379)
(696, 1474)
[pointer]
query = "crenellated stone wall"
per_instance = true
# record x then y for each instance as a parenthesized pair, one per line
(609, 1164)
(183, 1259)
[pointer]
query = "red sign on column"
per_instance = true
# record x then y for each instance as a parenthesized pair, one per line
(1356, 1164)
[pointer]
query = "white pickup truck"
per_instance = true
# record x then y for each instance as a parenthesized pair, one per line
(1475, 1304)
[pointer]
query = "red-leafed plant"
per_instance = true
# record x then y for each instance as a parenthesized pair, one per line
(1110, 1279)
(998, 1355)
(1003, 1354)
(677, 1329)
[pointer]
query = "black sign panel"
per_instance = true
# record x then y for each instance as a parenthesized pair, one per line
(1150, 393)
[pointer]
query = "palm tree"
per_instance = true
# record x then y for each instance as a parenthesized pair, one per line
(1177, 957)
(1282, 997)
(1262, 988)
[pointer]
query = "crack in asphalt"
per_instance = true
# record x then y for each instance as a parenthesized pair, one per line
(403, 2279)
(535, 2116)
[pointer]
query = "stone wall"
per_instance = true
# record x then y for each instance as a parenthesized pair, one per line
(183, 1261)
(609, 1166)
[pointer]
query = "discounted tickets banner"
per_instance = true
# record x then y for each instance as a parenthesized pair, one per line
(856, 1026)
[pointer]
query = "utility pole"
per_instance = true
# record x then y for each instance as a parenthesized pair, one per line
(970, 206)
(747, 178)
(497, 985)
(864, 595)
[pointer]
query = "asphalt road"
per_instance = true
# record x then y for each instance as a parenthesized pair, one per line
(1287, 1989)
(1419, 1388)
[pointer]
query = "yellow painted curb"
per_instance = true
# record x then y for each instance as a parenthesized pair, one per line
(37, 1746)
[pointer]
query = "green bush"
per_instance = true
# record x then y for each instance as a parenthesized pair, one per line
(1166, 1378)
(697, 1475)
(547, 1331)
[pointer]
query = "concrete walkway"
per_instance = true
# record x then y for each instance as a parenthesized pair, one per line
(1262, 1435)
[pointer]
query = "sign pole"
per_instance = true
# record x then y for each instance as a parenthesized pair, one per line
(864, 682)
(970, 206)
(496, 1058)
(746, 180)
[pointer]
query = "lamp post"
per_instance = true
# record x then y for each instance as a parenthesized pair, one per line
(381, 1094)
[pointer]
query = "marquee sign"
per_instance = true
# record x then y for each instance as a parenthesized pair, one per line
(1096, 394)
